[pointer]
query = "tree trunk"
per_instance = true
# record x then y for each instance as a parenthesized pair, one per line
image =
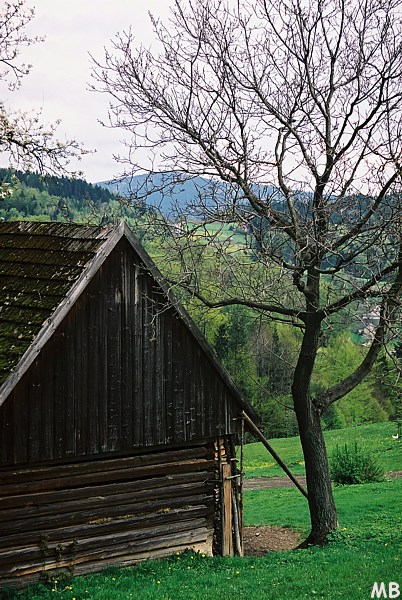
(323, 514)
(320, 497)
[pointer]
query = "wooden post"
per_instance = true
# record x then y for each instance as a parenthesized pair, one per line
(227, 536)
(241, 491)
(236, 525)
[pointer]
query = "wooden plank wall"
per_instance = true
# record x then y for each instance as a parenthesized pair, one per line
(122, 371)
(86, 515)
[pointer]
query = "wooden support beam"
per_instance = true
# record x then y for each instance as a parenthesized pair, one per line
(263, 439)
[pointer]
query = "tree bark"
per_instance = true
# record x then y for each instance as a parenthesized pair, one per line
(323, 513)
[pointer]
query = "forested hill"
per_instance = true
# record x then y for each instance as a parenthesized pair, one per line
(63, 187)
(26, 195)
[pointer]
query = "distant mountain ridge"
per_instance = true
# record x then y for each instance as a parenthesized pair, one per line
(174, 193)
(154, 190)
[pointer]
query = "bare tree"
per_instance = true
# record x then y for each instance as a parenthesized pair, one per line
(292, 112)
(24, 140)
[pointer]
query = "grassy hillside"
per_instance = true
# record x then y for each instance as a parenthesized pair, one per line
(375, 436)
(366, 511)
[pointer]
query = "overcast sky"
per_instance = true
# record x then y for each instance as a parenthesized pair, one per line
(58, 81)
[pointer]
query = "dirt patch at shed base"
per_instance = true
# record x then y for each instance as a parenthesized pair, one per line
(260, 540)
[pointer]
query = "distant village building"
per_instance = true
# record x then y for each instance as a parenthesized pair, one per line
(370, 321)
(117, 422)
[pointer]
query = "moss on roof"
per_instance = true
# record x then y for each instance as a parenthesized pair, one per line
(39, 263)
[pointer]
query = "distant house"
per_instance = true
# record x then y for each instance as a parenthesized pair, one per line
(370, 321)
(117, 422)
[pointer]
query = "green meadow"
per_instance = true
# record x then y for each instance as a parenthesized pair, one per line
(376, 437)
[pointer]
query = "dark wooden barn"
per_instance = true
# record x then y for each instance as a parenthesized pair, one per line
(117, 422)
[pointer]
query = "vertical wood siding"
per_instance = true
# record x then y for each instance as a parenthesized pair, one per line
(122, 371)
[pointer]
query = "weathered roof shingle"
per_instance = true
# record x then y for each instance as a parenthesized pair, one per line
(39, 263)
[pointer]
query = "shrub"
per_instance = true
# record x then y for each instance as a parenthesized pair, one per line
(354, 464)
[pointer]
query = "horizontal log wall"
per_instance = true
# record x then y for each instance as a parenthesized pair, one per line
(84, 516)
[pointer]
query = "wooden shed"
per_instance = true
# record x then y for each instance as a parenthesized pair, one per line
(117, 422)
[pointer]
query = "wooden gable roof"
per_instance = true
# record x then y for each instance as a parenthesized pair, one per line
(39, 265)
(46, 267)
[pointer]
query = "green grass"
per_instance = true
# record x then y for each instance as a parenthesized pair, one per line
(369, 511)
(365, 549)
(376, 436)
(333, 572)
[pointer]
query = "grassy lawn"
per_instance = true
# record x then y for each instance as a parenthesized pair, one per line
(334, 572)
(375, 436)
(368, 512)
(365, 549)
